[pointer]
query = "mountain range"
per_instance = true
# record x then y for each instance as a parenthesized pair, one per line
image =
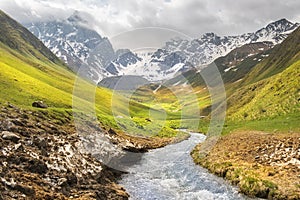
(81, 47)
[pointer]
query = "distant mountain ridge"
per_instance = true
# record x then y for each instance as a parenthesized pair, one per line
(208, 47)
(179, 55)
(76, 45)
(232, 67)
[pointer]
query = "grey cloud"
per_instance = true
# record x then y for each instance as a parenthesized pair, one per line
(192, 17)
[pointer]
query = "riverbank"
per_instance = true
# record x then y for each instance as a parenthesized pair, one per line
(169, 173)
(262, 165)
(42, 158)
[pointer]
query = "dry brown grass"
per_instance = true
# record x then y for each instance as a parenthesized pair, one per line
(261, 164)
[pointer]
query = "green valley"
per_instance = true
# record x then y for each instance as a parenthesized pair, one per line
(28, 76)
(63, 135)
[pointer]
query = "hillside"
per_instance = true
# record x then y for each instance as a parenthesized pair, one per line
(57, 141)
(232, 67)
(20, 39)
(25, 69)
(257, 77)
(283, 56)
(259, 147)
(271, 88)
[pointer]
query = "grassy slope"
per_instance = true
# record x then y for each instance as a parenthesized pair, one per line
(269, 93)
(18, 38)
(30, 72)
(274, 96)
(183, 104)
(263, 113)
(23, 83)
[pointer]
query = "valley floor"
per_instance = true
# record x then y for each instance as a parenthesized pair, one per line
(261, 164)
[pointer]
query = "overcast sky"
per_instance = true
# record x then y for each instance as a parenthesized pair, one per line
(191, 17)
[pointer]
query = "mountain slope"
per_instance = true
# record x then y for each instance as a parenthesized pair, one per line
(180, 55)
(283, 56)
(30, 71)
(81, 47)
(260, 81)
(231, 67)
(29, 75)
(272, 87)
(210, 46)
(73, 43)
(20, 39)
(31, 78)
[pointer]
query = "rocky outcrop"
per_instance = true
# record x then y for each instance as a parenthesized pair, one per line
(41, 159)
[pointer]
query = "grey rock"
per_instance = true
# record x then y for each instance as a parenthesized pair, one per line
(6, 135)
(39, 104)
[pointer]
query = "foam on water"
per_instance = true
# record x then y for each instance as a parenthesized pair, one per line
(170, 173)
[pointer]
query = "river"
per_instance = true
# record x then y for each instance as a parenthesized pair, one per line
(170, 173)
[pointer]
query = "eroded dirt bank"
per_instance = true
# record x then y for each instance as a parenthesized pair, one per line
(261, 164)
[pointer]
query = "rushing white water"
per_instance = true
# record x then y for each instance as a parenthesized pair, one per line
(170, 173)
